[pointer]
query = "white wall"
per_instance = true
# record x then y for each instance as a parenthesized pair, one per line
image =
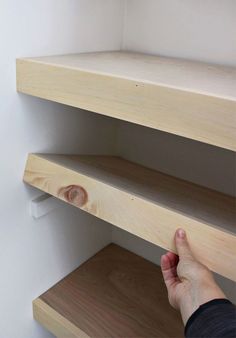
(196, 29)
(34, 255)
(197, 162)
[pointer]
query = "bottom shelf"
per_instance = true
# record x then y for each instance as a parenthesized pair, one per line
(114, 294)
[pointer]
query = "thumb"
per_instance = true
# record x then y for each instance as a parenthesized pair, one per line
(182, 246)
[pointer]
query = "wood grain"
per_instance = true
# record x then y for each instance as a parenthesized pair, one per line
(144, 202)
(190, 99)
(114, 294)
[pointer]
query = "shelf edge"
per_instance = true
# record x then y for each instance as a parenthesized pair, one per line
(54, 322)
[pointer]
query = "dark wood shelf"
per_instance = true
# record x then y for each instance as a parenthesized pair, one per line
(114, 294)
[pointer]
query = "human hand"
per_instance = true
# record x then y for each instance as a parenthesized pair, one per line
(189, 283)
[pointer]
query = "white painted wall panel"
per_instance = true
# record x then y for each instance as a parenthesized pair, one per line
(194, 29)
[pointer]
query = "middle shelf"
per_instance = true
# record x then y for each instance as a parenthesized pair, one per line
(144, 202)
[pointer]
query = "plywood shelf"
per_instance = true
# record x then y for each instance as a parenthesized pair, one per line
(144, 202)
(190, 99)
(114, 294)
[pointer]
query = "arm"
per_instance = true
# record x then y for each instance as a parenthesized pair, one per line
(190, 285)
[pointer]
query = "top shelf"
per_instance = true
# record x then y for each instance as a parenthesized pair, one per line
(186, 98)
(196, 77)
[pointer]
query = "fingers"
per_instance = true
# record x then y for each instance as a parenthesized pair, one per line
(182, 246)
(174, 259)
(169, 263)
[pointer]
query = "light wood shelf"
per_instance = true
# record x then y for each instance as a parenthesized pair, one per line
(144, 202)
(190, 99)
(114, 294)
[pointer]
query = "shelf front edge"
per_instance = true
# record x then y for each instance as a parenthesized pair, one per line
(54, 322)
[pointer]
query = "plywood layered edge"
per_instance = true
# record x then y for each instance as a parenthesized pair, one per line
(143, 202)
(114, 294)
(189, 99)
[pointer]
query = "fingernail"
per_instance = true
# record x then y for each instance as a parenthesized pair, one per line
(181, 233)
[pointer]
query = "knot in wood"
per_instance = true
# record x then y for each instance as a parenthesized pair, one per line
(74, 194)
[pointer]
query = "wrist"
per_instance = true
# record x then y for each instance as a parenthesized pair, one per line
(207, 292)
(201, 294)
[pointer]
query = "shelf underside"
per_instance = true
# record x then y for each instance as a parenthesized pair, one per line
(144, 202)
(114, 294)
(190, 99)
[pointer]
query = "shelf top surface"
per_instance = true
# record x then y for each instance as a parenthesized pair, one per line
(191, 76)
(116, 294)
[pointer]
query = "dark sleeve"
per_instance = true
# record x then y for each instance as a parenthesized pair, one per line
(215, 319)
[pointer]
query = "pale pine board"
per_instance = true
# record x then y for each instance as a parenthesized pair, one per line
(54, 322)
(114, 294)
(190, 99)
(146, 203)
